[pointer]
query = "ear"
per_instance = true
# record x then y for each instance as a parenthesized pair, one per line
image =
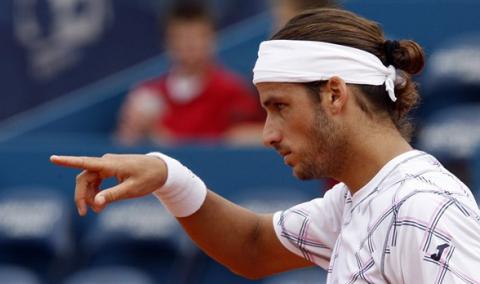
(335, 95)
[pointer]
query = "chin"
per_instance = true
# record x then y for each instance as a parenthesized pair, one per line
(302, 175)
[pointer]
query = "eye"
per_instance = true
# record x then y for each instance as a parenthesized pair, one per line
(280, 106)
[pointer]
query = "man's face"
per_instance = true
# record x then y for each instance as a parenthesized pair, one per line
(300, 130)
(190, 43)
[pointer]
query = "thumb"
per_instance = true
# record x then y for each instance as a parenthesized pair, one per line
(112, 194)
(100, 200)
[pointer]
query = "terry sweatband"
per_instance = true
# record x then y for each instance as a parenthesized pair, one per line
(300, 61)
(183, 192)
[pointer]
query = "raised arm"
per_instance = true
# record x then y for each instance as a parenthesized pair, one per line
(242, 240)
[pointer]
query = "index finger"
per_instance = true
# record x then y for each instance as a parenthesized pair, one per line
(86, 163)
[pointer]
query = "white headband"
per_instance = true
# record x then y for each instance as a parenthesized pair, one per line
(300, 61)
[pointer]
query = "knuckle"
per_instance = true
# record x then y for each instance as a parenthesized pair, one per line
(109, 155)
(79, 177)
(83, 162)
(110, 196)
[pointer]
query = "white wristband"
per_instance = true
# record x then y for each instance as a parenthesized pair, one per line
(183, 192)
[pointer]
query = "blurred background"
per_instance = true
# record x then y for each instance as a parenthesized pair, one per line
(87, 77)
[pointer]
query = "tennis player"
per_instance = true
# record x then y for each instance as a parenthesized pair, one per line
(337, 96)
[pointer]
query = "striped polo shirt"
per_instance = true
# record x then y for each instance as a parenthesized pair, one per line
(414, 222)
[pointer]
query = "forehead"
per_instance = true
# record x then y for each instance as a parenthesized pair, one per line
(280, 91)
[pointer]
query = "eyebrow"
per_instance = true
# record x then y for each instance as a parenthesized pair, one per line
(270, 101)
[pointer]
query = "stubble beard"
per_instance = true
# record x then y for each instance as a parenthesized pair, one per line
(326, 150)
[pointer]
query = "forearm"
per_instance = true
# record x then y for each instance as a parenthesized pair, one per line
(243, 241)
(228, 233)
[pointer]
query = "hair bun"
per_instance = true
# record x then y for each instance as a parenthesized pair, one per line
(406, 55)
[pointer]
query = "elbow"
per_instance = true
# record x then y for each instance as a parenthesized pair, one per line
(252, 267)
(253, 270)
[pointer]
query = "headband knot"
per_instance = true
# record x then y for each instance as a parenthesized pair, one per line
(299, 61)
(390, 83)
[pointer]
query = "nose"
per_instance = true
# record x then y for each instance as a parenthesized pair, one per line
(271, 135)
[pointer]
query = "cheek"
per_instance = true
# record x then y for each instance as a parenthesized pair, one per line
(301, 128)
(299, 140)
(311, 138)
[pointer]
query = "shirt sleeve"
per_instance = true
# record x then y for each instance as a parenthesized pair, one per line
(310, 229)
(436, 239)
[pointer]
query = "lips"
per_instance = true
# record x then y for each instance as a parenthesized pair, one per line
(286, 158)
(284, 153)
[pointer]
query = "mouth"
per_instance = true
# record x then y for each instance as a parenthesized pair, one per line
(284, 153)
(285, 156)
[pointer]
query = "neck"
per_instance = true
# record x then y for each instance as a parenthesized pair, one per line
(369, 155)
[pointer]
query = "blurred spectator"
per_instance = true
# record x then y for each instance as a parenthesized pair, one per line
(197, 100)
(284, 10)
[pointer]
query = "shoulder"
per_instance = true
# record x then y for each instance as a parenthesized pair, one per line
(424, 203)
(331, 204)
(425, 181)
(441, 211)
(338, 195)
(426, 194)
(311, 229)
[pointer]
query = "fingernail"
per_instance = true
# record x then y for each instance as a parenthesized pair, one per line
(100, 200)
(80, 211)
